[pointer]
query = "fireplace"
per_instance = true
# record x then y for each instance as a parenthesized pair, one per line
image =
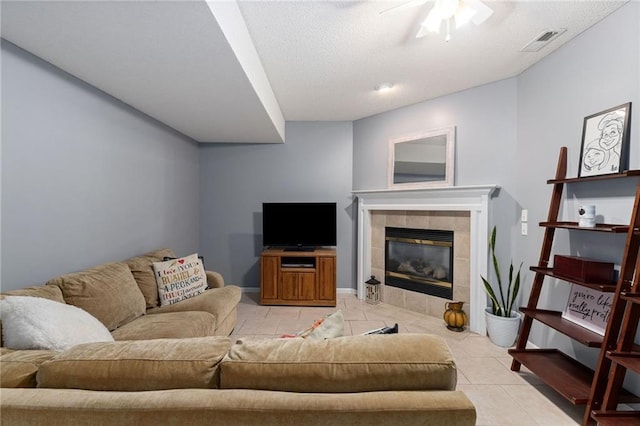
(420, 260)
(463, 209)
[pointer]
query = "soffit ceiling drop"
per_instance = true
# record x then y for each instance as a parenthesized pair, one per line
(172, 60)
(233, 72)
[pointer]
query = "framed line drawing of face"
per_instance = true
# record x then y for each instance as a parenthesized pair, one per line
(605, 142)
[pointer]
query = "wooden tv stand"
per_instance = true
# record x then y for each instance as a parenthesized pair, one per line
(298, 278)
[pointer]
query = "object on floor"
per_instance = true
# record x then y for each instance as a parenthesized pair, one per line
(454, 316)
(384, 330)
(373, 290)
(326, 328)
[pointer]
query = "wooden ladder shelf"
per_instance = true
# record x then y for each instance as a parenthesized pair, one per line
(601, 390)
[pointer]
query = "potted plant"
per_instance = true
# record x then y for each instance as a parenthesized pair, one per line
(503, 321)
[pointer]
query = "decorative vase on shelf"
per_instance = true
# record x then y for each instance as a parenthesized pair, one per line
(454, 316)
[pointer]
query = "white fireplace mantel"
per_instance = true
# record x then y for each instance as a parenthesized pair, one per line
(474, 199)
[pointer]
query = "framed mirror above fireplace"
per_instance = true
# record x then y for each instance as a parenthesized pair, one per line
(422, 160)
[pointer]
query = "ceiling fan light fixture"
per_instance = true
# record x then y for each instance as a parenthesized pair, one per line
(464, 14)
(433, 21)
(446, 8)
(483, 12)
(462, 11)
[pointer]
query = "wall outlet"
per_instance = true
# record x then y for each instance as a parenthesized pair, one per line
(524, 216)
(525, 229)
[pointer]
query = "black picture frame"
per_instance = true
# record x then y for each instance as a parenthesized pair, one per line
(605, 142)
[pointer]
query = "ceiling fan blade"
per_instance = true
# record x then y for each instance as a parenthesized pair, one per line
(483, 12)
(406, 5)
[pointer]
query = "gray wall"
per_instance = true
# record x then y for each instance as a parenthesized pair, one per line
(510, 132)
(313, 165)
(485, 118)
(597, 70)
(485, 121)
(85, 178)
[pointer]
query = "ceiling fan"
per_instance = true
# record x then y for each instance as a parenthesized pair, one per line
(461, 11)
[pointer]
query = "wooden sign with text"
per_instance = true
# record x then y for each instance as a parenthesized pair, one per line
(588, 308)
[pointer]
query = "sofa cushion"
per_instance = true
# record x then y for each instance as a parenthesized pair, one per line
(345, 364)
(108, 292)
(137, 365)
(37, 323)
(142, 270)
(46, 292)
(18, 368)
(171, 325)
(221, 302)
(180, 279)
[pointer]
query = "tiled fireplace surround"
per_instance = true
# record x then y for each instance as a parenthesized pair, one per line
(458, 222)
(464, 210)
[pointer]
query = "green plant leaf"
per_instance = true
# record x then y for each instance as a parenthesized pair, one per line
(502, 306)
(516, 289)
(495, 306)
(496, 266)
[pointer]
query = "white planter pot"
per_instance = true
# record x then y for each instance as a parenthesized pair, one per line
(503, 331)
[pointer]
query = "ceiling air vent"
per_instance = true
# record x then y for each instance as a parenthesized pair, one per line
(542, 40)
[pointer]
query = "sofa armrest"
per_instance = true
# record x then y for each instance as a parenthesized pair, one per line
(214, 279)
(203, 407)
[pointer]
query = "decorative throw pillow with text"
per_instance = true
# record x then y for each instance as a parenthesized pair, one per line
(179, 279)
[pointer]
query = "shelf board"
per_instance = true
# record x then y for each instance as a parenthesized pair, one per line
(616, 418)
(600, 227)
(286, 268)
(631, 297)
(625, 174)
(629, 360)
(554, 320)
(564, 374)
(608, 287)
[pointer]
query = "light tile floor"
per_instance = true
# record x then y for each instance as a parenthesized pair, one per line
(501, 396)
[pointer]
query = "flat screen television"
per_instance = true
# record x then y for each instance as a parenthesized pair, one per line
(298, 226)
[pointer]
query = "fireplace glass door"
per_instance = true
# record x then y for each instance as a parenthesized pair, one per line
(420, 260)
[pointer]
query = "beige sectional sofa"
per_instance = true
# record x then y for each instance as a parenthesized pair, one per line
(401, 379)
(124, 297)
(175, 365)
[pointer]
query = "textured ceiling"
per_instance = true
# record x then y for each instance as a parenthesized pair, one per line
(325, 58)
(227, 72)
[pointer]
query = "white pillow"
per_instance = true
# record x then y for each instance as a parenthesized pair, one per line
(37, 323)
(179, 279)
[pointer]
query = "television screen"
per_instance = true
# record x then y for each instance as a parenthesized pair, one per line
(299, 225)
